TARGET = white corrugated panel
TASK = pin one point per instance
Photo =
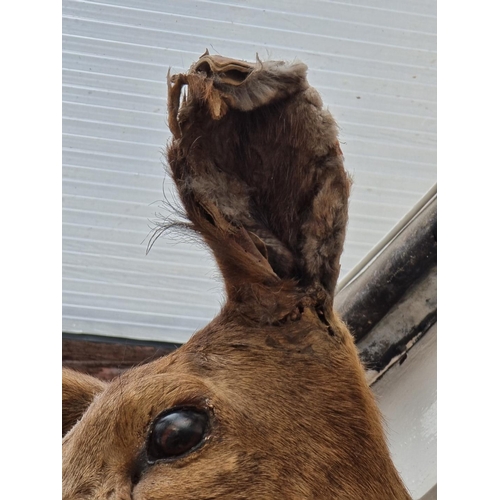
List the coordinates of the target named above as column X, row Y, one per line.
column 374, row 63
column 407, row 398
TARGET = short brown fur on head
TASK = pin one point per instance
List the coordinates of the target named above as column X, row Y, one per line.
column 259, row 170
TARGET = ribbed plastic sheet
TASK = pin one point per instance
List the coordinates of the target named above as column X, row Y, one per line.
column 374, row 63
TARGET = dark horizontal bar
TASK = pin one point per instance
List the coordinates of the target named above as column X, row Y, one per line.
column 119, row 340
column 107, row 357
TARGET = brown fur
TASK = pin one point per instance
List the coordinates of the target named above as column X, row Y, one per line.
column 79, row 391
column 260, row 173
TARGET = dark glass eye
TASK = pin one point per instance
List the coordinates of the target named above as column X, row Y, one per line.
column 176, row 433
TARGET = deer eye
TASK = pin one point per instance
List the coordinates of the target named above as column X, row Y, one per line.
column 176, row 433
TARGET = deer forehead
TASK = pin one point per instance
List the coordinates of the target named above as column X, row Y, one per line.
column 224, row 369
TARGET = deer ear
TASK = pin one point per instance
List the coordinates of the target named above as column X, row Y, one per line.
column 78, row 391
column 258, row 166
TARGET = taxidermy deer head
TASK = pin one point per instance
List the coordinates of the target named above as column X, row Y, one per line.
column 269, row 401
